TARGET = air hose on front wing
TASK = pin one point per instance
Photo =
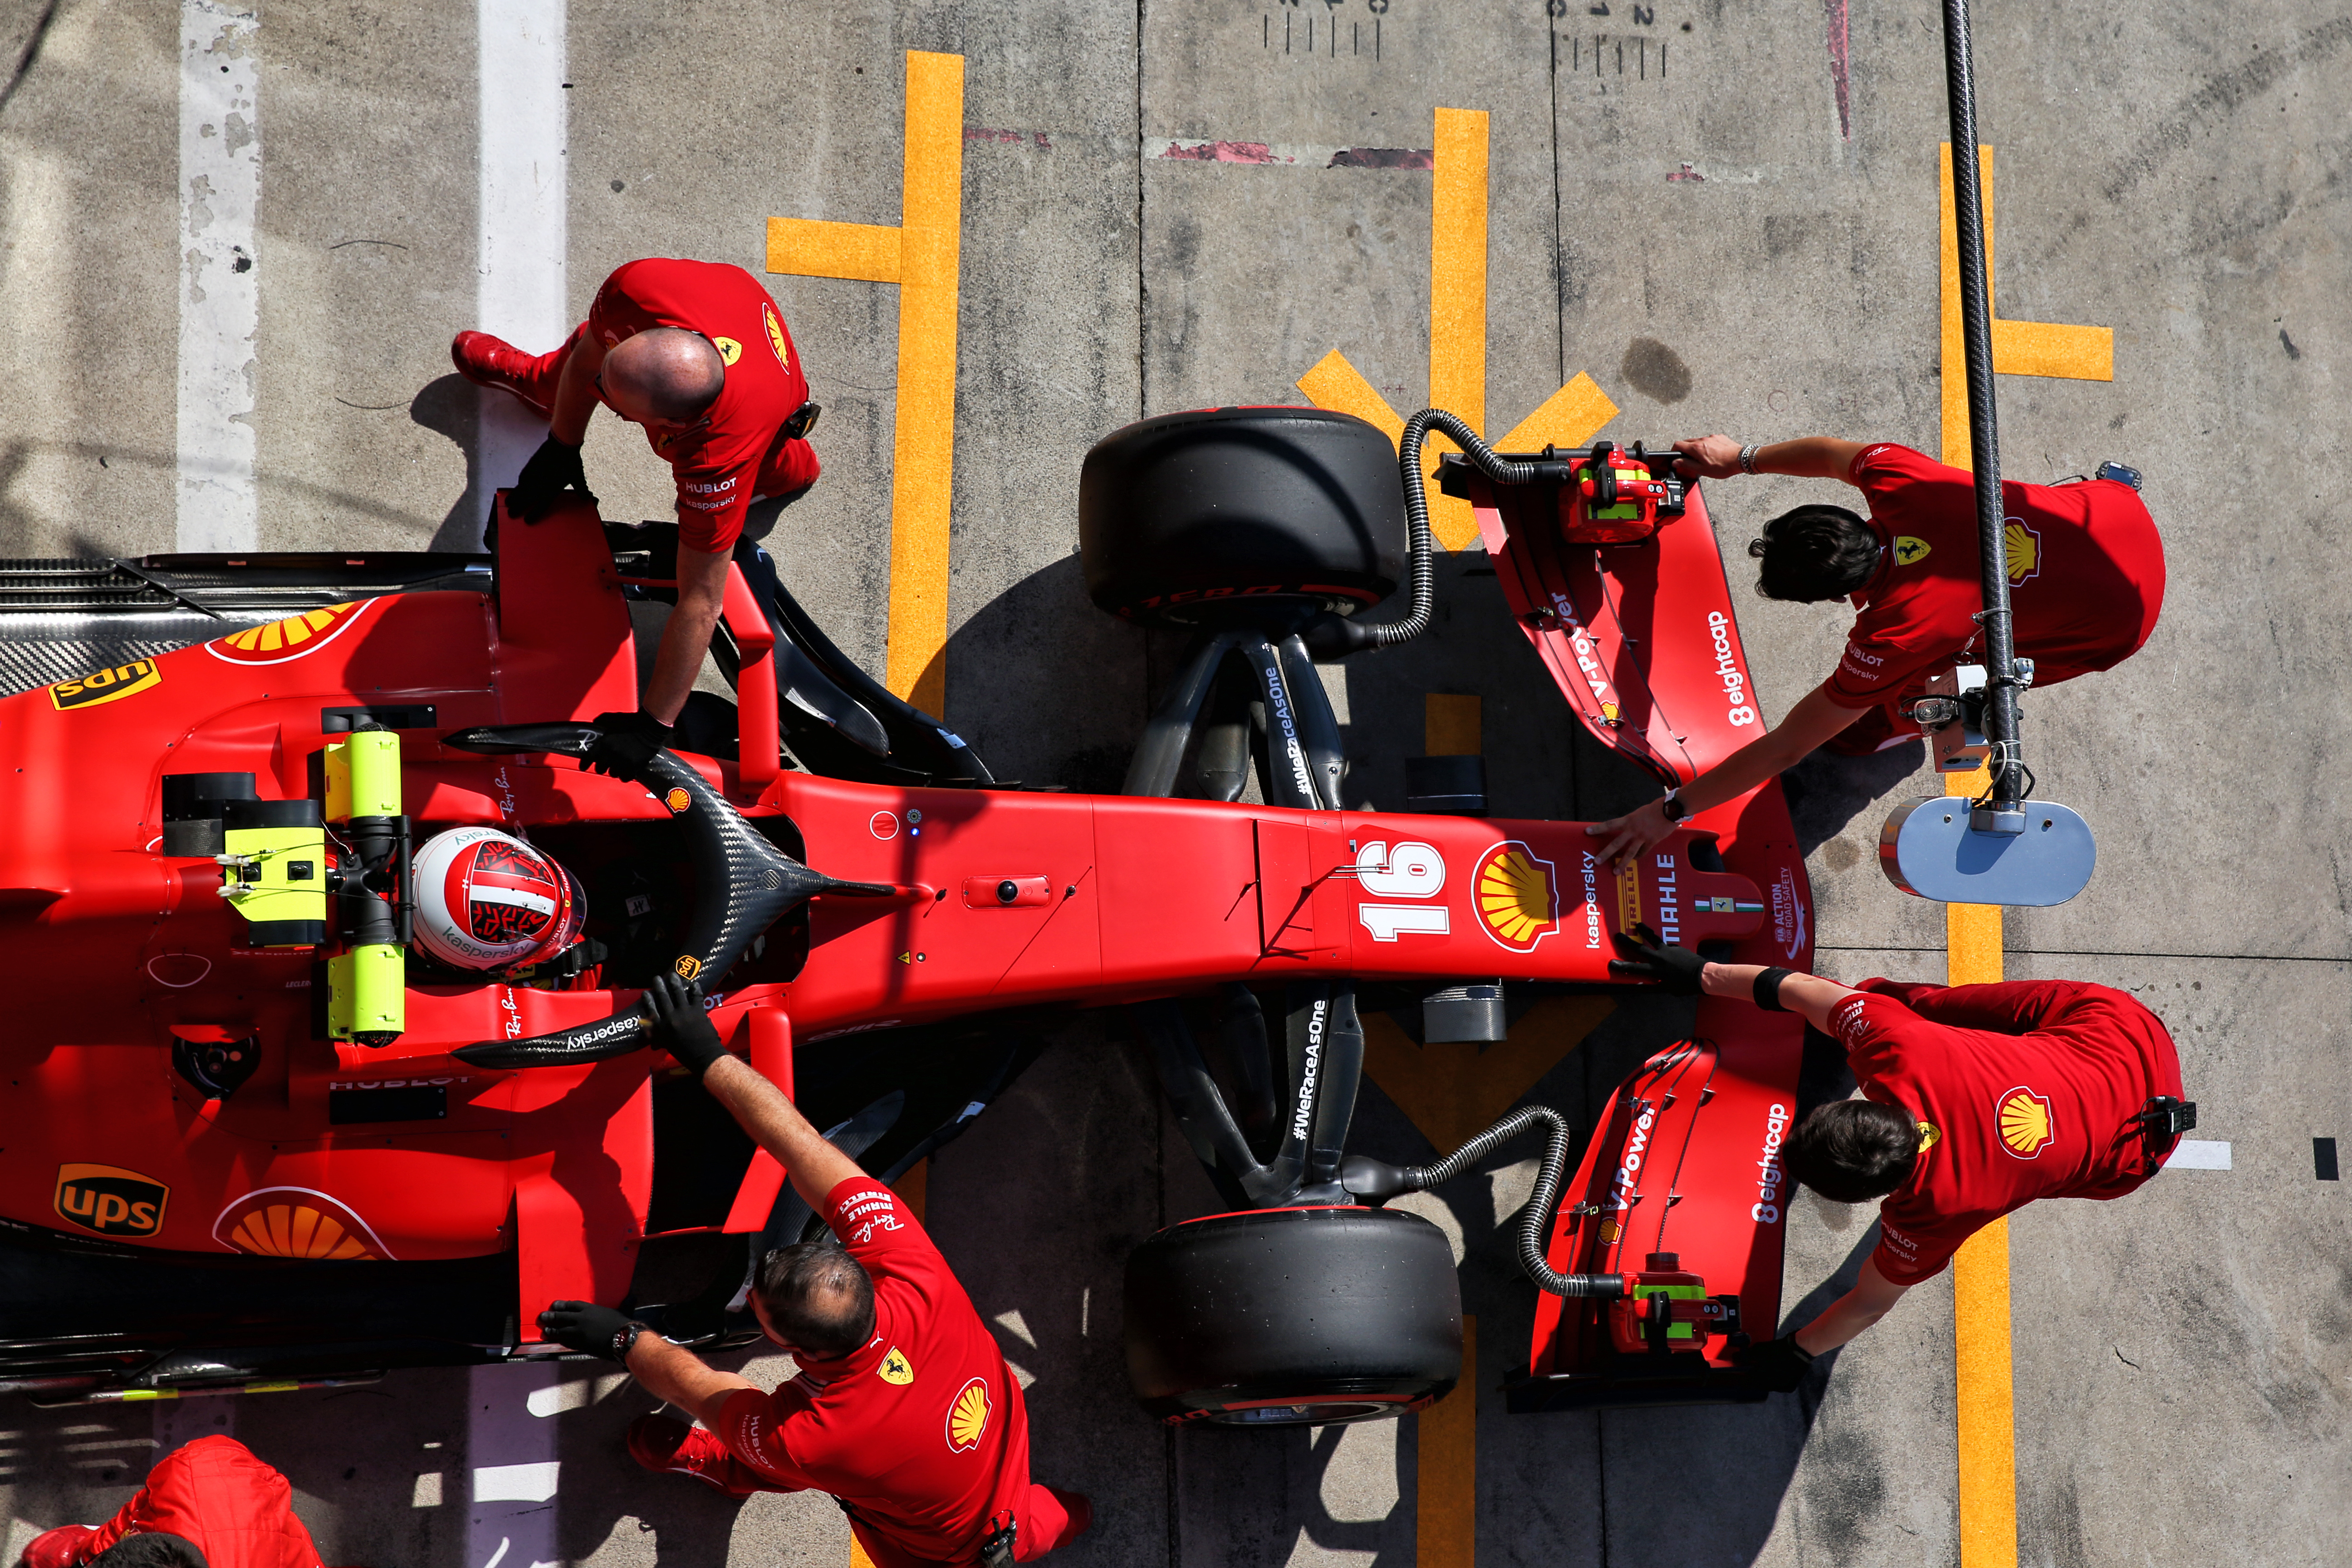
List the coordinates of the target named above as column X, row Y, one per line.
column 1332, row 636
column 1376, row 1182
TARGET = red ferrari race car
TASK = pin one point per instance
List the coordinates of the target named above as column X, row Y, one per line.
column 327, row 948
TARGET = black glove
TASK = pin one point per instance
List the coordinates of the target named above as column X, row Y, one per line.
column 552, row 469
column 628, row 744
column 1648, row 958
column 585, row 1326
column 1779, row 1366
column 681, row 1028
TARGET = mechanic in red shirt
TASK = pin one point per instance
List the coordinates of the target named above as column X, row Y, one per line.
column 903, row 1410
column 1976, row 1101
column 211, row 1495
column 2085, row 578
column 696, row 353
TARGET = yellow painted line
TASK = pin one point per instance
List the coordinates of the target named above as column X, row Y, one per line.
column 1445, row 1522
column 1981, row 1302
column 863, row 252
column 922, row 255
column 2018, row 347
column 858, row 1558
column 1451, row 725
column 1568, row 418
column 1457, row 298
column 1335, row 384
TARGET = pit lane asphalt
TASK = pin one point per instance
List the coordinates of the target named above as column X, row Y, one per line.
column 1729, row 228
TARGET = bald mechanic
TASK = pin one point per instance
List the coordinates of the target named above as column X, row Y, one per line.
column 903, row 1410
column 695, row 353
column 2086, row 579
column 1977, row 1101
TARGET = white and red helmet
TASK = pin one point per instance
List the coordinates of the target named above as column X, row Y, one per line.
column 486, row 900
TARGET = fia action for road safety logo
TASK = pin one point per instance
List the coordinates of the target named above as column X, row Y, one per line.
column 896, row 1368
column 107, row 686
column 110, row 1200
column 295, row 636
column 2024, row 1118
column 967, row 1417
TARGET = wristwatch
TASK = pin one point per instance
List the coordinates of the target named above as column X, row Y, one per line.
column 626, row 1341
column 1674, row 807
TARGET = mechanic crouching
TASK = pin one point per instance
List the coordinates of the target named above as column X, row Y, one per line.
column 1976, row 1101
column 2086, row 579
column 904, row 1411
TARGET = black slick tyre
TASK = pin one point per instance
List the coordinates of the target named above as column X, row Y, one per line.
column 1186, row 517
column 1293, row 1317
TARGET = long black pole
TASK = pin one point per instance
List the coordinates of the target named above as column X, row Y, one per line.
column 1984, row 437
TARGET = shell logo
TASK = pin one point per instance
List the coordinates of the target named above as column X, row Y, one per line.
column 2024, row 1118
column 292, row 639
column 967, row 1417
column 2022, row 547
column 776, row 337
column 1909, row 548
column 678, row 800
column 296, row 1222
column 896, row 1368
column 1517, row 898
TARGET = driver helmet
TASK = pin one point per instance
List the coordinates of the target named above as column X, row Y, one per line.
column 486, row 900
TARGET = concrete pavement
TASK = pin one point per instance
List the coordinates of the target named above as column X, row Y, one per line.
column 1727, row 217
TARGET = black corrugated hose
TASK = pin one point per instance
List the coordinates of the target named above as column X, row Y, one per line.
column 1416, row 508
column 1536, row 1219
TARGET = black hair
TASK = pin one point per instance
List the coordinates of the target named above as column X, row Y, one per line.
column 820, row 1299
column 1853, row 1150
column 1813, row 553
column 157, row 1549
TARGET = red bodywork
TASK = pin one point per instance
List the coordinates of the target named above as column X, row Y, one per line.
column 1641, row 640
column 114, row 949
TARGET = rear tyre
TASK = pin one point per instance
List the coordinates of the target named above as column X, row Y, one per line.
column 1304, row 1317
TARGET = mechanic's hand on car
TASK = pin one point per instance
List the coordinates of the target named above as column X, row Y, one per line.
column 552, row 469
column 628, row 744
column 1647, row 957
column 585, row 1326
column 1779, row 1366
column 1707, row 458
column 1631, row 835
column 681, row 1026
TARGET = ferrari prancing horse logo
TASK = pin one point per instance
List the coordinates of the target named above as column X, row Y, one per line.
column 896, row 1368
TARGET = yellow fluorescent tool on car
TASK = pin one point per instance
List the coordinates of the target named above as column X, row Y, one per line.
column 367, row 998
column 274, row 870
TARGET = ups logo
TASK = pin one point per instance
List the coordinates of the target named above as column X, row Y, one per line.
column 110, row 1200
column 105, row 686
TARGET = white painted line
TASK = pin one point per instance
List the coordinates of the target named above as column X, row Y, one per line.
column 220, row 187
column 2196, row 1155
column 519, row 295
column 515, row 1483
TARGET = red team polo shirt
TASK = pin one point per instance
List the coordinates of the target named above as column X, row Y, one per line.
column 2029, row 1086
column 738, row 451
column 921, row 1431
column 2086, row 577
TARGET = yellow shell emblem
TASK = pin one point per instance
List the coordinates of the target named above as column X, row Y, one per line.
column 2022, row 547
column 896, row 1368
column 295, row 1222
column 1929, row 1136
column 967, row 1417
column 1909, row 548
column 2024, row 1118
column 281, row 640
column 776, row 337
column 729, row 350
column 1516, row 896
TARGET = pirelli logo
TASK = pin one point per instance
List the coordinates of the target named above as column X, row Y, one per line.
column 107, row 686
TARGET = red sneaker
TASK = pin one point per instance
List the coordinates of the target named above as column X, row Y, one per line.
column 487, row 361
column 667, row 1445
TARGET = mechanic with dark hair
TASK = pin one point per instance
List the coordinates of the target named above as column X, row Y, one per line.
column 2086, row 577
column 695, row 353
column 1977, row 1100
column 211, row 1504
column 904, row 1409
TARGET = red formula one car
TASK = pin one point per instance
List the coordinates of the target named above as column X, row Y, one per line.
column 327, row 949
